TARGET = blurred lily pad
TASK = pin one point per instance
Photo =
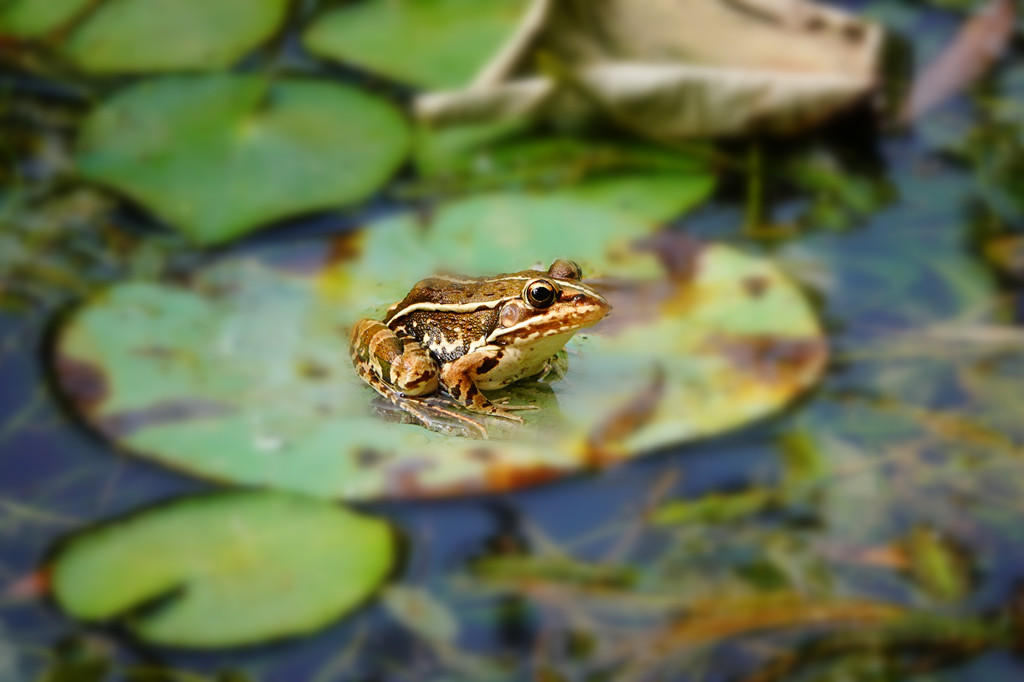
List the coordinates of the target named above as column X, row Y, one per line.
column 140, row 36
column 217, row 156
column 33, row 18
column 243, row 374
column 641, row 179
column 225, row 569
column 431, row 43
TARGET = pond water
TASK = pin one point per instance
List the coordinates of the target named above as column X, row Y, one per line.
column 896, row 481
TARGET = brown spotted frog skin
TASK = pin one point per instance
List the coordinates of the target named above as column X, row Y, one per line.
column 465, row 335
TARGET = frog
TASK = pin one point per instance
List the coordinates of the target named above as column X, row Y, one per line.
column 460, row 336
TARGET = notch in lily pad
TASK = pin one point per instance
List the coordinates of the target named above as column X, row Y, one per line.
column 225, row 569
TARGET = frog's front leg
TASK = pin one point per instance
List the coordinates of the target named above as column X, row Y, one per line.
column 459, row 379
column 554, row 368
column 400, row 363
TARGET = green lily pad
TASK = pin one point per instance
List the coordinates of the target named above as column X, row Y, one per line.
column 142, row 36
column 225, row 569
column 34, row 18
column 430, row 43
column 643, row 180
column 243, row 375
column 217, row 156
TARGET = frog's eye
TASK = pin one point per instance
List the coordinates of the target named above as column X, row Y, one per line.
column 565, row 269
column 540, row 293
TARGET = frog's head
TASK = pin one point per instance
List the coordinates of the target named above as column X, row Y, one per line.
column 552, row 304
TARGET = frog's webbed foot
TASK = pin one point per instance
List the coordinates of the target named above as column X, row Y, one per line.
column 432, row 413
column 502, row 412
column 503, row 404
column 500, row 409
column 430, row 409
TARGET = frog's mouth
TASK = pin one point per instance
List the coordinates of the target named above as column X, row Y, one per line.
column 588, row 307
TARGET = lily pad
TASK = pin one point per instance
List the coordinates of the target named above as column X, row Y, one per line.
column 243, row 374
column 217, row 156
column 141, row 36
column 643, row 180
column 34, row 18
column 431, row 43
column 225, row 569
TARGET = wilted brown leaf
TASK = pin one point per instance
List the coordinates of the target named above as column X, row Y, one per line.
column 32, row 586
column 714, row 620
column 979, row 44
column 719, row 619
column 667, row 70
column 885, row 556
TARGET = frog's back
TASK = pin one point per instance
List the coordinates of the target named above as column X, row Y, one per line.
column 451, row 315
column 459, row 294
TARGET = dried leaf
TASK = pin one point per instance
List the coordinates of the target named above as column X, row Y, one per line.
column 665, row 69
column 979, row 44
column 885, row 556
column 32, row 586
column 419, row 611
column 718, row 619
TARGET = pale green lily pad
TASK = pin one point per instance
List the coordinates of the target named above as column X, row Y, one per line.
column 430, row 43
column 217, row 156
column 225, row 569
column 34, row 18
column 243, row 375
column 643, row 180
column 142, row 36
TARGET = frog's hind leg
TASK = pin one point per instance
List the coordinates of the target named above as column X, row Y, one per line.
column 399, row 362
column 400, row 369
